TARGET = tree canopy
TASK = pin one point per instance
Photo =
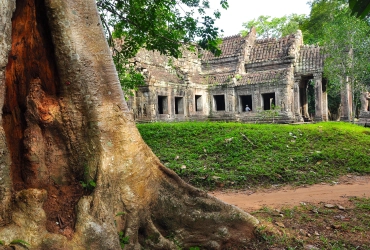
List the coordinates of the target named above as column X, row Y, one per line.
column 267, row 27
column 341, row 28
column 163, row 25
column 360, row 8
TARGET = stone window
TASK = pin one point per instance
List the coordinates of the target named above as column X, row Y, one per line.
column 268, row 101
column 179, row 105
column 198, row 103
column 162, row 104
column 219, row 102
column 244, row 101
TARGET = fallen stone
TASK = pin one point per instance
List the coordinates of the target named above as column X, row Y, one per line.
column 280, row 224
column 310, row 247
column 341, row 208
column 335, row 226
column 302, row 232
column 329, row 206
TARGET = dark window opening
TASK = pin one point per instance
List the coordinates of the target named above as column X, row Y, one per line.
column 244, row 101
column 179, row 105
column 268, row 101
column 198, row 103
column 219, row 102
column 162, row 105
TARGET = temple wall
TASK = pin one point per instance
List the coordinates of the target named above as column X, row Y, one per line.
column 270, row 76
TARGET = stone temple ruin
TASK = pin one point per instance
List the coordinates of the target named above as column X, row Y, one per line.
column 276, row 78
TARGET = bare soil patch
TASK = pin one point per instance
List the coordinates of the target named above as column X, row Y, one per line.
column 323, row 216
column 288, row 196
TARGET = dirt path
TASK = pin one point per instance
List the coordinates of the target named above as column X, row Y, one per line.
column 335, row 193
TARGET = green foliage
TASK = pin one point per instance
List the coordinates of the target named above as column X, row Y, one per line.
column 362, row 203
column 210, row 155
column 2, row 242
column 268, row 115
column 321, row 13
column 360, row 8
column 347, row 48
column 20, row 242
column 350, row 231
column 129, row 77
column 88, row 182
column 267, row 27
column 123, row 240
column 120, row 213
column 348, row 54
column 89, row 185
column 162, row 25
column 238, row 77
column 345, row 42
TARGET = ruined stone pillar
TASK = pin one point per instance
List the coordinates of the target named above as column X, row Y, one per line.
column 364, row 117
column 325, row 115
column 318, row 97
column 365, row 101
column 296, row 101
column 346, row 102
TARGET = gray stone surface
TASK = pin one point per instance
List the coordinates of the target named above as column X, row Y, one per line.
column 260, row 73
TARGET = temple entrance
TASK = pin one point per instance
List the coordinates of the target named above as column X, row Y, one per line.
column 268, row 101
column 307, row 98
column 179, row 105
column 162, row 104
column 219, row 102
column 245, row 100
column 198, row 103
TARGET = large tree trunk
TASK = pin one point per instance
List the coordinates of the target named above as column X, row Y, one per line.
column 65, row 121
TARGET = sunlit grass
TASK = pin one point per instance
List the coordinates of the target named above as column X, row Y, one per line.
column 210, row 154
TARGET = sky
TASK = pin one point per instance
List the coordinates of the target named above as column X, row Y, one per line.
column 240, row 11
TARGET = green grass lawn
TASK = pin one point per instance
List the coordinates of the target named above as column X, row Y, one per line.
column 215, row 154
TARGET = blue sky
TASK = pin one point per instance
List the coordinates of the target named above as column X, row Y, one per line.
column 244, row 10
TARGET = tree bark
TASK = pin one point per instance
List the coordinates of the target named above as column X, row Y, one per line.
column 65, row 121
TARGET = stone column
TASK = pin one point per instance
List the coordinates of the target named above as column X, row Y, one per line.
column 346, row 102
column 296, row 101
column 318, row 96
column 325, row 114
column 365, row 101
column 364, row 117
column 303, row 98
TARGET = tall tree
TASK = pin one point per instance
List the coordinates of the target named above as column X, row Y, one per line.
column 74, row 171
column 345, row 41
column 347, row 49
column 163, row 25
column 268, row 27
column 322, row 12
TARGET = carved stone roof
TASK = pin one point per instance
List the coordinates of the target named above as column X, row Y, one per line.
column 219, row 79
column 270, row 76
column 271, row 49
column 310, row 59
column 231, row 46
column 162, row 74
